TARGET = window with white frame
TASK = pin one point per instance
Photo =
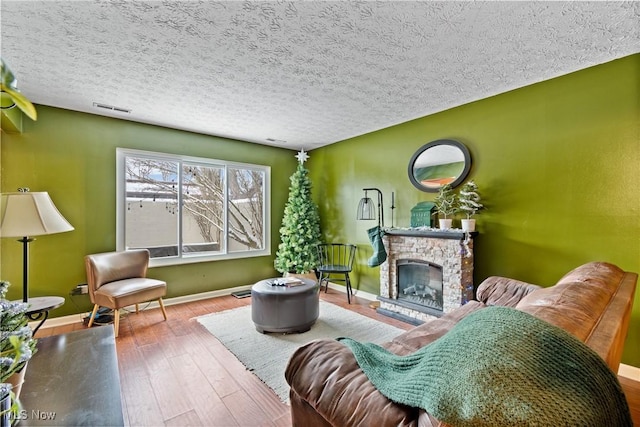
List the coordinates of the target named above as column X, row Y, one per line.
column 188, row 209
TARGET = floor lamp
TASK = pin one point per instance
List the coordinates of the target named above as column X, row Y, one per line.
column 25, row 215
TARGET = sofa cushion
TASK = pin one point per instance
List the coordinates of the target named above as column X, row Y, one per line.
column 430, row 331
column 503, row 291
column 122, row 293
column 577, row 301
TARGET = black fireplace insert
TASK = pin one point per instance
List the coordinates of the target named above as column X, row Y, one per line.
column 420, row 282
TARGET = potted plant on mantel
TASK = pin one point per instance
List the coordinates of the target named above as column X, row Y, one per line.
column 445, row 203
column 300, row 231
column 469, row 204
column 17, row 345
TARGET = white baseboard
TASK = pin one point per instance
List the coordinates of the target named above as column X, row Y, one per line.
column 629, row 371
column 74, row 318
column 360, row 294
column 59, row 321
column 626, row 371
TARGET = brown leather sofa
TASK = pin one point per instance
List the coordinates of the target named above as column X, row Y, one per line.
column 592, row 302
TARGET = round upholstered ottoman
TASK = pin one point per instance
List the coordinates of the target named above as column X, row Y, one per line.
column 284, row 308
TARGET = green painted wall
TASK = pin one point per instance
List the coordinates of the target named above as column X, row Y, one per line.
column 557, row 164
column 72, row 156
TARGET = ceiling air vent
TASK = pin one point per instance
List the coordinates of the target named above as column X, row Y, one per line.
column 111, row 107
column 276, row 141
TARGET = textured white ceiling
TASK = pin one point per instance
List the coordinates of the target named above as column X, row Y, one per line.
column 308, row 73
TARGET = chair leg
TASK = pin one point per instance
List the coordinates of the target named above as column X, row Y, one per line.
column 93, row 315
column 116, row 321
column 164, row 313
column 349, row 291
column 137, row 309
column 326, row 283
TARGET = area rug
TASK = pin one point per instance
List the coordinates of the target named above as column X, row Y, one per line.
column 266, row 355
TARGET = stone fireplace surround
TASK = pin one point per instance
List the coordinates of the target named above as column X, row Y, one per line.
column 450, row 249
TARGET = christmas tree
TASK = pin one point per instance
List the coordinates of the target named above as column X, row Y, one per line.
column 300, row 230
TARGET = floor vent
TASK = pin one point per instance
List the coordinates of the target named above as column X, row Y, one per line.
column 242, row 294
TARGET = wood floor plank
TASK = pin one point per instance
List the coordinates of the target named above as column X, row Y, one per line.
column 173, row 346
column 264, row 397
column 202, row 396
column 213, row 369
column 165, row 381
column 189, row 419
column 284, row 420
column 178, row 320
column 131, row 363
column 244, row 409
column 162, row 329
column 141, row 406
column 125, row 330
column 199, row 308
column 142, row 327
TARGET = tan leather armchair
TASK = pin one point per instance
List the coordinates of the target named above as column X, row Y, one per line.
column 118, row 279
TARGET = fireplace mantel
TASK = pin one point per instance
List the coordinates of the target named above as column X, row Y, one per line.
column 451, row 249
column 436, row 233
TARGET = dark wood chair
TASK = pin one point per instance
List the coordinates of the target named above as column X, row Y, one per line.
column 336, row 259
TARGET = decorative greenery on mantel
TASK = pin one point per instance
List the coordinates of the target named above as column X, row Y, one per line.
column 469, row 199
column 446, row 201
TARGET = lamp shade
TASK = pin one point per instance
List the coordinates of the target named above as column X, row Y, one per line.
column 31, row 214
column 366, row 209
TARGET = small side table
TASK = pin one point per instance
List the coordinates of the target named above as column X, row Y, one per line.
column 39, row 308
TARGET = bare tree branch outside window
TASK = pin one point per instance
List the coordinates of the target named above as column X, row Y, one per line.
column 203, row 190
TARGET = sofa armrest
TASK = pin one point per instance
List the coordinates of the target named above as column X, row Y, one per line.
column 325, row 376
column 503, row 291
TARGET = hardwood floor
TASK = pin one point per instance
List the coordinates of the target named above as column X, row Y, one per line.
column 175, row 373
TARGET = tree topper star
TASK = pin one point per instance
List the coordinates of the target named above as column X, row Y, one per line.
column 302, row 156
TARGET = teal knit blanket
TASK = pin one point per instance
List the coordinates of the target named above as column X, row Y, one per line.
column 500, row 366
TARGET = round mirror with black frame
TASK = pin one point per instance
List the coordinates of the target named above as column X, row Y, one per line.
column 445, row 161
